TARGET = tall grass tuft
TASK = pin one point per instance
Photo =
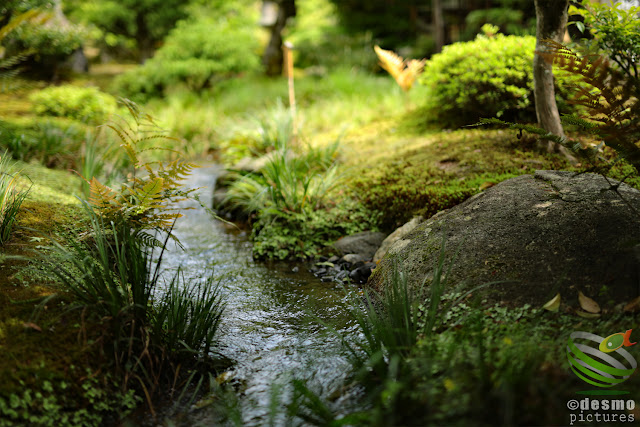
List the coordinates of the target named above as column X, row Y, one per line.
column 11, row 196
column 293, row 177
column 110, row 270
column 150, row 337
column 391, row 321
column 187, row 316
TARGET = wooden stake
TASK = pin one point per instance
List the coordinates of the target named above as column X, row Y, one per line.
column 288, row 58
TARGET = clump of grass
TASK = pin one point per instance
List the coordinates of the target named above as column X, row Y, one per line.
column 115, row 274
column 111, row 270
column 187, row 316
column 11, row 197
column 291, row 179
column 391, row 321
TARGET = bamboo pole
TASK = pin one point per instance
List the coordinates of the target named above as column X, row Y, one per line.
column 288, row 58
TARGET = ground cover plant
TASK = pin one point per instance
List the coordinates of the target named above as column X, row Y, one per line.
column 109, row 281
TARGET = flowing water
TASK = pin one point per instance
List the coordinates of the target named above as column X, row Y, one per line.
column 268, row 329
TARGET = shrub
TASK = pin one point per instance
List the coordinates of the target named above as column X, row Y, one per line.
column 52, row 142
column 87, row 103
column 489, row 76
column 196, row 54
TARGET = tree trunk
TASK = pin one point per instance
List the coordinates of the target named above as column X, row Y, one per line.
column 143, row 39
column 272, row 57
column 551, row 22
column 438, row 24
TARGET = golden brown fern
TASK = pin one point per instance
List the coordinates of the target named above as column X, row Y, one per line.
column 404, row 72
column 144, row 201
column 611, row 99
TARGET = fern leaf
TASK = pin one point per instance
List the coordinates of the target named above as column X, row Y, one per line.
column 404, row 73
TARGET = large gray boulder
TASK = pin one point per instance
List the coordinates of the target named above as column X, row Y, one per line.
column 398, row 234
column 552, row 232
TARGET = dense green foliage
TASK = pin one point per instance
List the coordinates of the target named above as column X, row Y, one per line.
column 142, row 24
column 97, row 397
column 80, row 103
column 321, row 41
column 490, row 76
column 42, row 41
column 616, row 33
column 196, row 55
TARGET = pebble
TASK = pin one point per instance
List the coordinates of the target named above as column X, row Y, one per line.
column 349, row 268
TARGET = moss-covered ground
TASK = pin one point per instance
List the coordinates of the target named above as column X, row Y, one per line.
column 51, row 367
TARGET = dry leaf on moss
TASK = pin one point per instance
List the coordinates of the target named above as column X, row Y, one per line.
column 587, row 304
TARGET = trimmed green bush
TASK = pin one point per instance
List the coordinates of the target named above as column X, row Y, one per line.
column 491, row 76
column 80, row 103
column 196, row 54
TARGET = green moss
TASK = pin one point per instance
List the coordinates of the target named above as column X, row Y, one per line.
column 441, row 170
column 50, row 357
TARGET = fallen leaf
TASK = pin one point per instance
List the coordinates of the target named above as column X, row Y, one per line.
column 633, row 305
column 588, row 304
column 486, row 185
column 587, row 315
column 32, row 325
column 553, row 304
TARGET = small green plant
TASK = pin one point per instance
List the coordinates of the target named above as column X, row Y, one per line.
column 49, row 405
column 116, row 273
column 11, row 196
column 291, row 180
column 80, row 103
column 392, row 320
column 284, row 235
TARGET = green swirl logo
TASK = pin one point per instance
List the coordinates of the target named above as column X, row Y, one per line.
column 596, row 365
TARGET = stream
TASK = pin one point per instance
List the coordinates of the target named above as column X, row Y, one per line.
column 268, row 328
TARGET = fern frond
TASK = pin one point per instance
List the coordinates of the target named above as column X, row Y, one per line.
column 404, row 73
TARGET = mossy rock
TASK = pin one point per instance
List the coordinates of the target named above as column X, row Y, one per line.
column 539, row 234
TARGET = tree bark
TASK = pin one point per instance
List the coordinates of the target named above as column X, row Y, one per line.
column 551, row 22
column 438, row 24
column 272, row 57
